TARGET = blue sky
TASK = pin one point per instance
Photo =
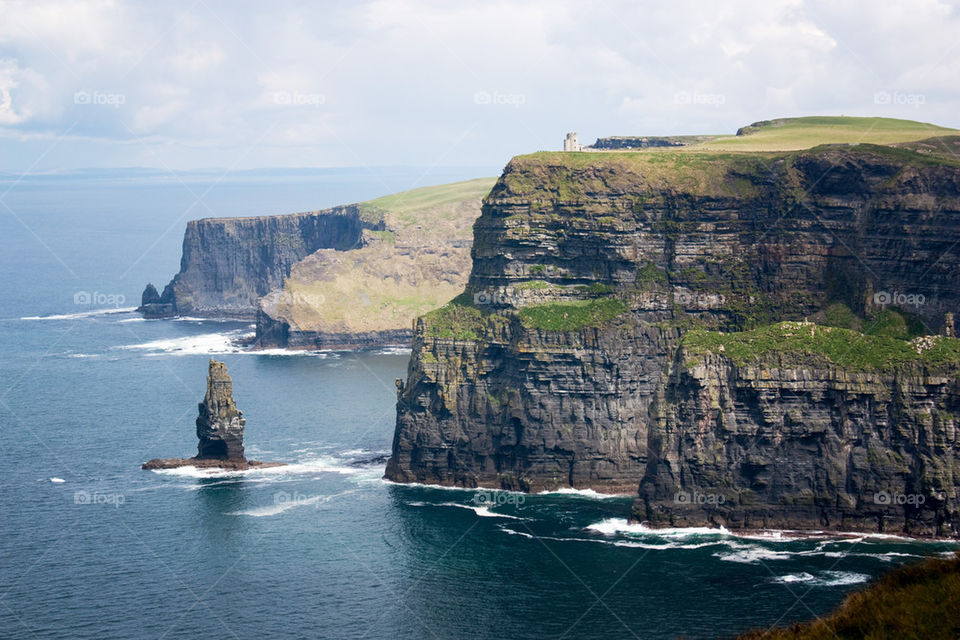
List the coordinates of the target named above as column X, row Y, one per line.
column 201, row 83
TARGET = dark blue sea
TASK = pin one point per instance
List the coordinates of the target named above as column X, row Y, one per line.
column 93, row 547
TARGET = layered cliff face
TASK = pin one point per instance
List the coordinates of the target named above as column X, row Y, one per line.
column 372, row 294
column 347, row 277
column 562, row 364
column 228, row 264
column 219, row 423
column 791, row 439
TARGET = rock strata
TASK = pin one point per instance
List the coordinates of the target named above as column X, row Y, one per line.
column 219, row 429
column 516, row 386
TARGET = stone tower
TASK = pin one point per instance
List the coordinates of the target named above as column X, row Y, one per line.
column 570, row 143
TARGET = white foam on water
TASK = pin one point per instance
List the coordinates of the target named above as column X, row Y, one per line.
column 483, row 512
column 611, row 526
column 82, row 314
column 291, row 502
column 324, row 464
column 201, row 344
column 518, row 533
column 57, row 480
column 825, row 579
column 751, row 554
column 583, row 493
column 393, row 351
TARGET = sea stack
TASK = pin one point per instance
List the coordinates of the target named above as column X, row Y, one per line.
column 220, row 423
column 219, row 429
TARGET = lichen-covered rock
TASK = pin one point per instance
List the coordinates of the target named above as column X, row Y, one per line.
column 220, row 424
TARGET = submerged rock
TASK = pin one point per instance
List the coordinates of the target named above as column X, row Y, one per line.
column 219, row 428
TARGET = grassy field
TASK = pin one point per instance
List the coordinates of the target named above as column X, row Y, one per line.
column 844, row 347
column 789, row 134
column 419, row 263
column 415, row 206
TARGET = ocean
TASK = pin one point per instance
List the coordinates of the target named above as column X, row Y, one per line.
column 91, row 546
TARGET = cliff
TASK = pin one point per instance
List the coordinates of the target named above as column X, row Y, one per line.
column 346, row 277
column 416, row 261
column 228, row 264
column 564, row 362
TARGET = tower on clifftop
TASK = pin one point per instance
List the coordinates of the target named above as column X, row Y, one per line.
column 570, row 143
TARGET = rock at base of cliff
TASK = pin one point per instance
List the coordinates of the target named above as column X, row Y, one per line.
column 236, row 464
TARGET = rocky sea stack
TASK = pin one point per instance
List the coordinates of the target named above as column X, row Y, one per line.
column 219, row 429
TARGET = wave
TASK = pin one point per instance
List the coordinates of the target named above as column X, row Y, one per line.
column 483, row 512
column 83, row 314
column 287, row 503
column 611, row 526
column 201, row 344
column 324, row 464
column 583, row 493
column 825, row 579
column 57, row 480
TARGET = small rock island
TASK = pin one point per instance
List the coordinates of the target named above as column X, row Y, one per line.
column 219, row 429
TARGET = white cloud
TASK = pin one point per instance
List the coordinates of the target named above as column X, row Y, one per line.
column 396, row 81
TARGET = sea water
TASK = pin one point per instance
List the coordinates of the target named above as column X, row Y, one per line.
column 93, row 547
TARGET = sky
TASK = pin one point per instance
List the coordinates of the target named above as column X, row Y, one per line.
column 245, row 85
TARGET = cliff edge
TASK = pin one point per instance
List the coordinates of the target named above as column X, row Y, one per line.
column 589, row 349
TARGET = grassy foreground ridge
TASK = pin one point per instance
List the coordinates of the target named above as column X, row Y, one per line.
column 919, row 602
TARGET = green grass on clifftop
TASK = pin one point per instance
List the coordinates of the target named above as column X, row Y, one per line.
column 795, row 341
column 572, row 316
column 787, row 134
column 920, row 602
column 408, row 207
